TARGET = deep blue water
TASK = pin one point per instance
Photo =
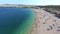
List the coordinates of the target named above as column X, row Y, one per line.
column 11, row 18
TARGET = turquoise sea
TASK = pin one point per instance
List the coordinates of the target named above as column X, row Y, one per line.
column 16, row 20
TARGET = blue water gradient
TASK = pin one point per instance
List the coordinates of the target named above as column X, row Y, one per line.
column 12, row 18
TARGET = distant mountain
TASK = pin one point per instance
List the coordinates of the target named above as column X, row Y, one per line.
column 50, row 6
column 53, row 9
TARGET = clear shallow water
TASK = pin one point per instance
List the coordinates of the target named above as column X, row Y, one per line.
column 16, row 20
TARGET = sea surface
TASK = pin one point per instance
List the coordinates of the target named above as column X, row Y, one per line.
column 16, row 20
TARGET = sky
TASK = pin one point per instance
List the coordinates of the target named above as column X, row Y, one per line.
column 31, row 2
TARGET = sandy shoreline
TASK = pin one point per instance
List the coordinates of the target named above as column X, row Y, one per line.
column 42, row 22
